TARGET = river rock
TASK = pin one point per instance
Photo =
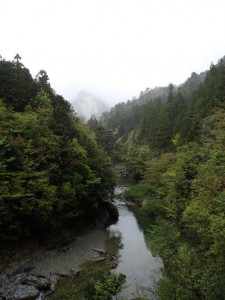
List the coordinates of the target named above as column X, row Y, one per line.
column 10, row 285
column 28, row 267
column 26, row 286
column 113, row 264
column 62, row 274
column 130, row 203
column 114, row 261
column 64, row 249
column 75, row 272
column 53, row 281
column 41, row 283
column 25, row 292
column 100, row 259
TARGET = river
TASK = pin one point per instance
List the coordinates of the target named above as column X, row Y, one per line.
column 126, row 238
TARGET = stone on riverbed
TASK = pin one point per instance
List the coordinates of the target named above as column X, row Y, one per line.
column 41, row 283
column 100, row 259
column 62, row 274
column 10, row 285
column 75, row 272
column 53, row 281
column 27, row 286
column 25, row 292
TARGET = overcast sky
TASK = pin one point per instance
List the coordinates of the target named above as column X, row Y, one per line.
column 113, row 48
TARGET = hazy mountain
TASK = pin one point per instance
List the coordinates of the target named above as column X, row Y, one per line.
column 187, row 88
column 87, row 105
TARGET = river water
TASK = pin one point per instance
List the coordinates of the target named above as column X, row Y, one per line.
column 126, row 239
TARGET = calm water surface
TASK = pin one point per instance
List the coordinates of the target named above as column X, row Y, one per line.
column 126, row 239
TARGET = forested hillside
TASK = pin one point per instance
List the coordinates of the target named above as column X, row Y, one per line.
column 125, row 117
column 175, row 147
column 52, row 170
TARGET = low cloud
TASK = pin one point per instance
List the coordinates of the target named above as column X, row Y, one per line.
column 86, row 105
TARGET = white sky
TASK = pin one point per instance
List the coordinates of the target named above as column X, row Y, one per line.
column 113, row 48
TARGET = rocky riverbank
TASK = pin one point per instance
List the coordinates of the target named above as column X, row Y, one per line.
column 37, row 275
column 31, row 272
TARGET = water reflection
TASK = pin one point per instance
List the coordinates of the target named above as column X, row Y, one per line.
column 126, row 239
column 113, row 241
column 143, row 222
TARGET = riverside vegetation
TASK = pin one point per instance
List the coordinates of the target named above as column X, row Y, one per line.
column 174, row 145
column 96, row 282
column 55, row 171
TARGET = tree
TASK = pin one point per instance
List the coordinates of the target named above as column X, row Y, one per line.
column 16, row 85
column 42, row 100
column 17, row 59
column 42, row 81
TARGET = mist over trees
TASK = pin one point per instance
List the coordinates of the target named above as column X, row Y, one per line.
column 87, row 105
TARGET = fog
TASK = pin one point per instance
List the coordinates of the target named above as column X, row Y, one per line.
column 113, row 49
column 87, row 105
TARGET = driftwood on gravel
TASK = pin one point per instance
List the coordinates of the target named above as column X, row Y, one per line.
column 100, row 251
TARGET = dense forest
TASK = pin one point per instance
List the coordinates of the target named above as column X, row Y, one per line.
column 174, row 145
column 53, row 173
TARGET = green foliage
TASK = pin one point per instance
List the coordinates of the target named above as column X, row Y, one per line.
column 189, row 234
column 109, row 285
column 94, row 283
column 105, row 138
column 138, row 193
column 52, row 170
column 135, row 155
column 42, row 100
column 16, row 84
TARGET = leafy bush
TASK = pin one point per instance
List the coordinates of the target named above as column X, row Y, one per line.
column 94, row 283
column 138, row 193
column 153, row 207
